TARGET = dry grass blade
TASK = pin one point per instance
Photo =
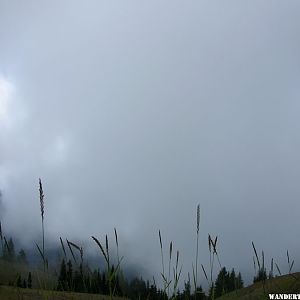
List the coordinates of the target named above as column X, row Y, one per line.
column 204, row 273
column 100, row 246
column 209, row 243
column 194, row 277
column 215, row 250
column 107, row 252
column 166, row 282
column 176, row 280
column 72, row 253
column 214, row 244
column 1, row 235
column 219, row 262
column 272, row 266
column 41, row 253
column 171, row 247
column 154, row 283
column 6, row 245
column 254, row 264
column 197, row 248
column 161, row 252
column 116, row 237
column 278, row 269
column 117, row 243
column 255, row 252
column 81, row 253
column 177, row 258
column 170, row 257
column 63, row 247
column 74, row 245
column 160, row 241
column 78, row 248
column 291, row 267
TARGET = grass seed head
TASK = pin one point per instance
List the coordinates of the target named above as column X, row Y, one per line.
column 116, row 236
column 160, row 241
column 171, row 247
column 41, row 198
column 198, row 217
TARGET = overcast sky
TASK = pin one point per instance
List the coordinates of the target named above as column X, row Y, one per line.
column 133, row 112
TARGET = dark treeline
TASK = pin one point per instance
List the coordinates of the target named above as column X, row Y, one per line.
column 74, row 277
column 9, row 253
column 96, row 282
column 82, row 279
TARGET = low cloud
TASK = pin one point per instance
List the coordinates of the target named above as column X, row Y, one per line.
column 132, row 117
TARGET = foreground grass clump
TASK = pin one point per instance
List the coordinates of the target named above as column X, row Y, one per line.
column 13, row 293
column 289, row 283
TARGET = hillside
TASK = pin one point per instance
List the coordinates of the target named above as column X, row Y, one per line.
column 9, row 274
column 12, row 293
column 282, row 284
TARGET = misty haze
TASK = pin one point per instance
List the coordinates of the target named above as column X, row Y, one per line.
column 136, row 133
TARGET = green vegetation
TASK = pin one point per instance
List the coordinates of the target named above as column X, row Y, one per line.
column 72, row 278
column 289, row 283
column 13, row 293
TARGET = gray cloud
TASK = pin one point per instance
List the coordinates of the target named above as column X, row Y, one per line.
column 133, row 113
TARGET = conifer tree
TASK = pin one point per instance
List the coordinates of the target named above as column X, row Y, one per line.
column 62, row 279
column 19, row 281
column 21, row 258
column 69, row 276
column 29, row 281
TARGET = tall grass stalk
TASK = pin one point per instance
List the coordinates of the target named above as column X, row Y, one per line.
column 117, row 244
column 263, row 269
column 278, row 270
column 71, row 251
column 79, row 249
column 169, row 273
column 106, row 257
column 42, row 207
column 255, row 252
column 63, row 247
column 161, row 252
column 212, row 247
column 197, row 249
column 272, row 268
column 6, row 245
column 1, row 237
column 111, row 273
column 165, row 280
column 290, row 264
column 254, row 265
column 118, row 257
column 176, row 276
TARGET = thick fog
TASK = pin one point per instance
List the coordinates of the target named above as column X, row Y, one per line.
column 133, row 112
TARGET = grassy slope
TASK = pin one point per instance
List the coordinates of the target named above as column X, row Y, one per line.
column 281, row 284
column 12, row 293
column 9, row 271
